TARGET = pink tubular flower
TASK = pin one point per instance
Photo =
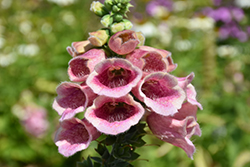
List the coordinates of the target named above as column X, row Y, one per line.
column 114, row 77
column 35, row 120
column 161, row 92
column 185, row 84
column 72, row 98
column 114, row 115
column 78, row 48
column 123, row 42
column 165, row 54
column 74, row 135
column 81, row 66
column 177, row 129
column 151, row 60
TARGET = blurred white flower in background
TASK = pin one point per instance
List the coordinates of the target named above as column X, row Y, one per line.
column 227, row 50
column 28, row 50
column 62, row 2
column 148, row 29
column 5, row 4
column 25, row 27
column 68, row 18
column 7, row 59
column 183, row 45
column 243, row 3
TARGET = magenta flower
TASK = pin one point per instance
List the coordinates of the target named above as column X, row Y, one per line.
column 78, row 48
column 74, row 135
column 123, row 42
column 161, row 92
column 114, row 77
column 114, row 115
column 72, row 98
column 150, row 60
column 177, row 129
column 81, row 66
column 185, row 84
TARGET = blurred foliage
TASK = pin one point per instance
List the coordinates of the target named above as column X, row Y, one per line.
column 33, row 38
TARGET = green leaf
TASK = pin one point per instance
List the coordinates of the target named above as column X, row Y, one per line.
column 134, row 156
column 97, row 159
column 85, row 163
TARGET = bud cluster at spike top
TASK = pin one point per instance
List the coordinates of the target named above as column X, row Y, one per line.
column 116, row 81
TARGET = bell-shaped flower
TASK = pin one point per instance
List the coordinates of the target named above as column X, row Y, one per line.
column 74, row 135
column 177, row 129
column 185, row 84
column 160, row 91
column 114, row 77
column 72, row 98
column 98, row 38
column 114, row 115
column 166, row 55
column 123, row 42
column 81, row 66
column 78, row 48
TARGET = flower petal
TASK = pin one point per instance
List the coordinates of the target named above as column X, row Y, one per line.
column 123, row 42
column 74, row 135
column 160, row 92
column 81, row 66
column 185, row 84
column 114, row 77
column 71, row 99
column 165, row 54
column 114, row 115
column 176, row 129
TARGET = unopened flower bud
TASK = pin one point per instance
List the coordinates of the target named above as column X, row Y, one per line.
column 98, row 8
column 116, row 27
column 119, row 5
column 108, row 4
column 78, row 48
column 127, row 24
column 118, row 1
column 107, row 20
column 98, row 38
column 118, row 17
column 115, row 9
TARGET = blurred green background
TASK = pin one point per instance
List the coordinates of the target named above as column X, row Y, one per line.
column 34, row 35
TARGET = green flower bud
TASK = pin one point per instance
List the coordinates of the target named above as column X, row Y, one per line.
column 107, row 20
column 118, row 17
column 118, row 1
column 108, row 4
column 98, row 8
column 116, row 27
column 127, row 24
column 119, row 5
column 115, row 9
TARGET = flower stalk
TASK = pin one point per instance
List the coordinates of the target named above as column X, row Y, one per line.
column 122, row 86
